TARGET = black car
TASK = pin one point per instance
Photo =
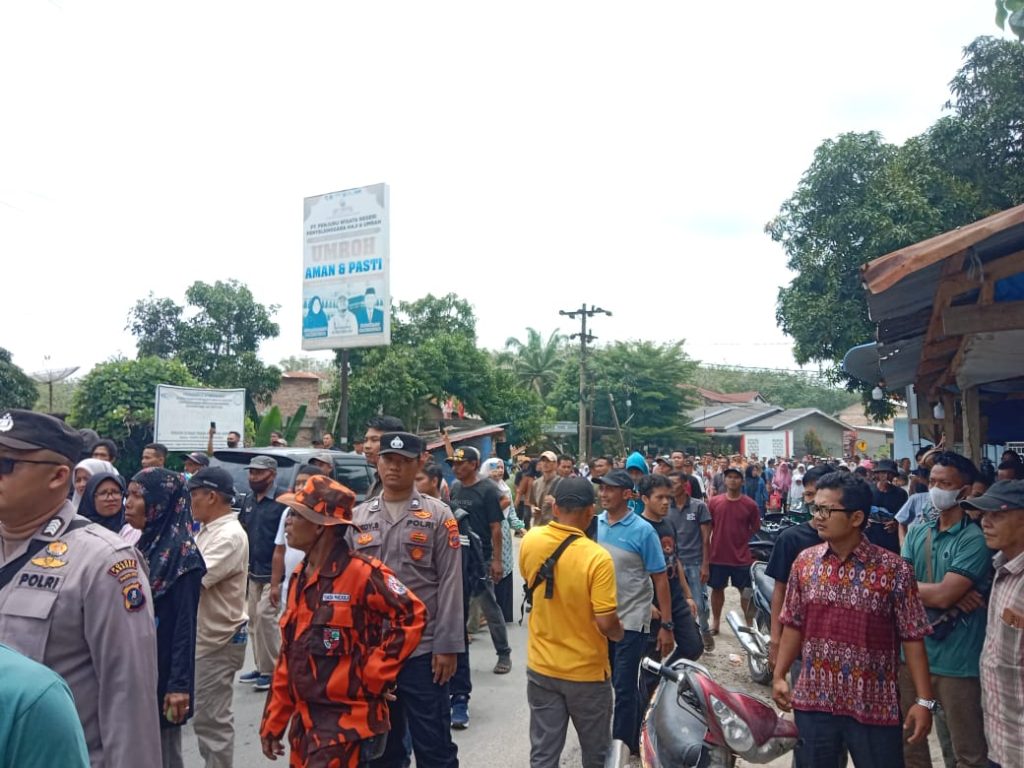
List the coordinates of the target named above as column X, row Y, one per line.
column 350, row 469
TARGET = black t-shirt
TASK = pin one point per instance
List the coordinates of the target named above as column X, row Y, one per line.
column 482, row 501
column 791, row 542
column 893, row 501
column 261, row 520
column 667, row 536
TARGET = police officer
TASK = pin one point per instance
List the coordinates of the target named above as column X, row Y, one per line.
column 347, row 629
column 72, row 595
column 417, row 537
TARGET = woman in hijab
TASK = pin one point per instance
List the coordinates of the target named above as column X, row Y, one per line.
column 782, row 480
column 159, row 506
column 85, row 469
column 103, row 503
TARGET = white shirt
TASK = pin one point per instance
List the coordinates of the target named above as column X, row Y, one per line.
column 292, row 557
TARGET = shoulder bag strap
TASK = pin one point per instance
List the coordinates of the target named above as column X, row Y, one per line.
column 9, row 571
column 928, row 554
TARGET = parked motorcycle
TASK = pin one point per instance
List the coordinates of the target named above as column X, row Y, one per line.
column 763, row 542
column 694, row 721
column 754, row 637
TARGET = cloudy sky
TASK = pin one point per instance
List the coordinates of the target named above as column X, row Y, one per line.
column 540, row 155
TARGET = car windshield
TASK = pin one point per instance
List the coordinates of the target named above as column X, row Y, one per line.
column 349, row 469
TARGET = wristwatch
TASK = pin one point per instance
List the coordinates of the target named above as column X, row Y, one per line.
column 668, row 625
column 928, row 704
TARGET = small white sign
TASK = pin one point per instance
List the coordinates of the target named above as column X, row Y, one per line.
column 184, row 414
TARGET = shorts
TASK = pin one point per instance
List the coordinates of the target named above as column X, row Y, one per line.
column 721, row 575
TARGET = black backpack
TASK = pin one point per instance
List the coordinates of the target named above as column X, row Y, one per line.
column 474, row 570
column 545, row 573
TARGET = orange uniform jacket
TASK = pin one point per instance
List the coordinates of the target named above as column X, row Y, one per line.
column 346, row 631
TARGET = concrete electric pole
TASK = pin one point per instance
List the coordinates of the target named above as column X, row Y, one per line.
column 585, row 338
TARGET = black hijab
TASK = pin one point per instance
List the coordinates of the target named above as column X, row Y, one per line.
column 87, row 506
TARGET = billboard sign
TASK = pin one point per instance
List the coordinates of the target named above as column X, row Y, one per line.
column 183, row 416
column 346, row 290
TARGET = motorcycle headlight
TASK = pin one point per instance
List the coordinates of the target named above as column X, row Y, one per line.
column 736, row 732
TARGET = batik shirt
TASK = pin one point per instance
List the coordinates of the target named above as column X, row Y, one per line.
column 853, row 615
column 346, row 631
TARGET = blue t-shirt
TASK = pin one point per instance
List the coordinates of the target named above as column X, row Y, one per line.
column 636, row 553
column 39, row 726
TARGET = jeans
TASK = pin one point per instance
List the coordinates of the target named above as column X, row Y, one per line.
column 699, row 592
column 822, row 736
column 495, row 619
column 423, row 707
column 625, row 658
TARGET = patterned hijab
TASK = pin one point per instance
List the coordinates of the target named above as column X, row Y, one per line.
column 166, row 541
column 87, row 506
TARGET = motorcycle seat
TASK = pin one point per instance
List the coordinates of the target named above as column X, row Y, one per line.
column 764, row 583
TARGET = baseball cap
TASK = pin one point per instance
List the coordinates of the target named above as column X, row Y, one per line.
column 214, row 478
column 30, row 431
column 262, row 462
column 1001, row 495
column 405, row 444
column 732, row 471
column 548, row 456
column 663, row 460
column 469, row 453
column 322, row 501
column 327, row 457
column 617, row 478
column 199, row 458
column 574, row 492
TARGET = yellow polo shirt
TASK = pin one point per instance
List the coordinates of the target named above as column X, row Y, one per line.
column 564, row 641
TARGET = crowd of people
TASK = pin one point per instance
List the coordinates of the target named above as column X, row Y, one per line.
column 127, row 604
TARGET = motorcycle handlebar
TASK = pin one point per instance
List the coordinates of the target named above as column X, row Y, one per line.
column 662, row 670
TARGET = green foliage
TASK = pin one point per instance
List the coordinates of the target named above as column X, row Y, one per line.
column 117, row 399
column 862, row 198
column 17, row 390
column 433, row 355
column 813, row 444
column 217, row 336
column 535, row 363
column 1011, row 13
column 652, row 377
column 788, row 390
column 272, row 421
column 63, row 392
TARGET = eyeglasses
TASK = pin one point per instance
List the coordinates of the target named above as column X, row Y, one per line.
column 825, row 512
column 109, row 495
column 8, row 464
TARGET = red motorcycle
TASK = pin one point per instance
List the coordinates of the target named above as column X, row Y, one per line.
column 694, row 721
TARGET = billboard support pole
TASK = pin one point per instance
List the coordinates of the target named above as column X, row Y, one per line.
column 341, row 416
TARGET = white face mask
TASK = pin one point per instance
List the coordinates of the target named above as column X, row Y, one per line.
column 942, row 499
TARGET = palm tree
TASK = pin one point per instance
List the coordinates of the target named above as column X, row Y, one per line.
column 535, row 363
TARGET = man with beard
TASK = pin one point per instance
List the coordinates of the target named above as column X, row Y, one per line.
column 376, row 427
column 260, row 516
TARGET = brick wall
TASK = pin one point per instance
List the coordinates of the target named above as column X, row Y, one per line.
column 298, row 390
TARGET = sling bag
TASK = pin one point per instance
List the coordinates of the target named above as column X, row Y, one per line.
column 545, row 573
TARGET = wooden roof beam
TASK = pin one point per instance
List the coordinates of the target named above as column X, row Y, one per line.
column 1005, row 316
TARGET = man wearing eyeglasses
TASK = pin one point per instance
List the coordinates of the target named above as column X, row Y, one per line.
column 850, row 607
column 72, row 594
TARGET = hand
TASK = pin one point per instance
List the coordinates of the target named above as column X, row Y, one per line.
column 919, row 723
column 175, row 707
column 275, row 596
column 549, row 500
column 272, row 747
column 889, row 526
column 705, row 573
column 773, row 653
column 666, row 642
column 693, row 606
column 213, row 431
column 443, row 667
column 389, row 692
column 972, row 601
column 497, row 572
column 655, row 613
column 781, row 694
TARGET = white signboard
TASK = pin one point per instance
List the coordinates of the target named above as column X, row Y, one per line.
column 184, row 414
column 346, row 290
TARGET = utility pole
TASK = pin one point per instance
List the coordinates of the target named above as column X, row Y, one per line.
column 585, row 338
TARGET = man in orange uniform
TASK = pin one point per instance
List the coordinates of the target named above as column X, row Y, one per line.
column 338, row 662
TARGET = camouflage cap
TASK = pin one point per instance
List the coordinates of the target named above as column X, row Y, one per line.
column 322, row 501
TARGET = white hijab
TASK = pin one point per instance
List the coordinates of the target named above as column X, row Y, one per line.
column 93, row 467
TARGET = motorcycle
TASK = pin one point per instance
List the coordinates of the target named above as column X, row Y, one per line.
column 763, row 542
column 694, row 721
column 755, row 636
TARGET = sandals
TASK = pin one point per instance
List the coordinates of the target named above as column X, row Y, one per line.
column 503, row 667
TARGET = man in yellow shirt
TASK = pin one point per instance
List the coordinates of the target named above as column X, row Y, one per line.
column 572, row 618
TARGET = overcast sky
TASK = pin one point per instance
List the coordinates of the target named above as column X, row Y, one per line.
column 540, row 155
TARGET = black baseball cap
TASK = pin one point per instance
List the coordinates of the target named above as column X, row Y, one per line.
column 403, row 443
column 199, row 458
column 617, row 478
column 30, row 431
column 732, row 471
column 1001, row 495
column 574, row 492
column 469, row 453
column 215, row 478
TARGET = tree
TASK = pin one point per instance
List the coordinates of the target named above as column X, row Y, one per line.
column 217, row 336
column 536, row 363
column 117, row 399
column 17, row 389
column 813, row 444
column 788, row 390
column 1011, row 13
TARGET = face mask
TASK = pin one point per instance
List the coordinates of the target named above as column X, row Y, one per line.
column 942, row 499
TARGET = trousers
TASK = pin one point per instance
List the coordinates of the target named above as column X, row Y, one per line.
column 553, row 703
column 960, row 698
column 214, row 721
column 495, row 618
column 263, row 628
column 170, row 747
column 700, row 595
column 625, row 658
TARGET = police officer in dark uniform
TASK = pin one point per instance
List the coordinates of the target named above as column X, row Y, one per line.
column 72, row 594
column 417, row 537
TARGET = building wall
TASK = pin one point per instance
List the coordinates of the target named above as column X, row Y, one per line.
column 829, row 433
column 294, row 392
column 767, row 444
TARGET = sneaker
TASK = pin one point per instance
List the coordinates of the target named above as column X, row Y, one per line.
column 250, row 677
column 263, row 683
column 709, row 641
column 460, row 713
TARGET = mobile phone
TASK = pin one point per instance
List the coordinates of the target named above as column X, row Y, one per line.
column 442, row 426
column 213, row 425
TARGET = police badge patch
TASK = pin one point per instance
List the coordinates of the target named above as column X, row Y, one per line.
column 134, row 597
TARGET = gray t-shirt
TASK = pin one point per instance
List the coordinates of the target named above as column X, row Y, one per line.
column 688, row 521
